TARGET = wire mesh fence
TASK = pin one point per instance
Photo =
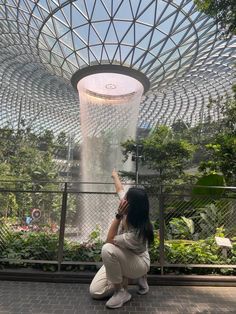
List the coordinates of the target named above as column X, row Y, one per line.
column 191, row 228
column 62, row 223
column 29, row 224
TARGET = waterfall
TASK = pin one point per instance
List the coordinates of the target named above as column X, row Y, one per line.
column 109, row 109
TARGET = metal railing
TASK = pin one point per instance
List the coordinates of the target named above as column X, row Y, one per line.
column 65, row 224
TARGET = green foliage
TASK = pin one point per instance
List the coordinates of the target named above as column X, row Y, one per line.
column 89, row 251
column 212, row 217
column 220, row 232
column 192, row 252
column 85, row 252
column 43, row 245
column 180, row 127
column 27, row 156
column 95, row 235
column 164, row 153
column 223, row 11
column 181, row 228
column 222, row 154
column 9, row 206
column 179, row 208
column 30, row 245
column 203, row 251
column 220, row 149
column 154, row 248
column 212, row 179
column 214, row 140
column 20, row 153
column 199, row 217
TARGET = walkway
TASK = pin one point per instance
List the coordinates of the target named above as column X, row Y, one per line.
column 48, row 298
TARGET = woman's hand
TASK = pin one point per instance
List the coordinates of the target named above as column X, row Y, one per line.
column 123, row 207
column 118, row 184
column 114, row 174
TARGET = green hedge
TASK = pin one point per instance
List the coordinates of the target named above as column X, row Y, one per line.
column 41, row 245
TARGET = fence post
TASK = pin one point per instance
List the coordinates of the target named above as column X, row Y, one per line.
column 62, row 226
column 161, row 230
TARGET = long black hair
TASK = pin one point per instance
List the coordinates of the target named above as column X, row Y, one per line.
column 138, row 213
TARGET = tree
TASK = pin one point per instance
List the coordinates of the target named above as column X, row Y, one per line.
column 222, row 149
column 22, row 160
column 164, row 153
column 223, row 11
column 222, row 156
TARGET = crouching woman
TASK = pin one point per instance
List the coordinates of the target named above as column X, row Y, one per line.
column 125, row 254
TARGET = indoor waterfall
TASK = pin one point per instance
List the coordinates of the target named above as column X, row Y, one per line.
column 109, row 108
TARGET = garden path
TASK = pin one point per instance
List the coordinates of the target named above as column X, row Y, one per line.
column 69, row 298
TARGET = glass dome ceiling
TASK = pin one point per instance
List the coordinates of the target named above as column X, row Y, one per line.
column 43, row 43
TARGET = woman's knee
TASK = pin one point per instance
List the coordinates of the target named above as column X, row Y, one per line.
column 95, row 292
column 107, row 249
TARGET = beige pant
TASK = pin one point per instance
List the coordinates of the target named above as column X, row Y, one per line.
column 118, row 263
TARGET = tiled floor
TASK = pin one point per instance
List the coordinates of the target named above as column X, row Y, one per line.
column 48, row 298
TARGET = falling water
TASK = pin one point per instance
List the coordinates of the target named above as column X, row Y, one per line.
column 109, row 105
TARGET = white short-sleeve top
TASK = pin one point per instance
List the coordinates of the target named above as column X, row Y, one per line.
column 129, row 239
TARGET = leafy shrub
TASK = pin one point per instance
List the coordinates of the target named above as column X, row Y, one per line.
column 154, row 249
column 192, row 252
column 181, row 228
column 85, row 252
column 30, row 245
column 213, row 216
column 38, row 246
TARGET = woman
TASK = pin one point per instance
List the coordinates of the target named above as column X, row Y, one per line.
column 125, row 254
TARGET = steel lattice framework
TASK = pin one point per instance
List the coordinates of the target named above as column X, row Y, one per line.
column 43, row 42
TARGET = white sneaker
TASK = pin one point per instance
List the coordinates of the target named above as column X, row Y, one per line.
column 143, row 285
column 119, row 298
